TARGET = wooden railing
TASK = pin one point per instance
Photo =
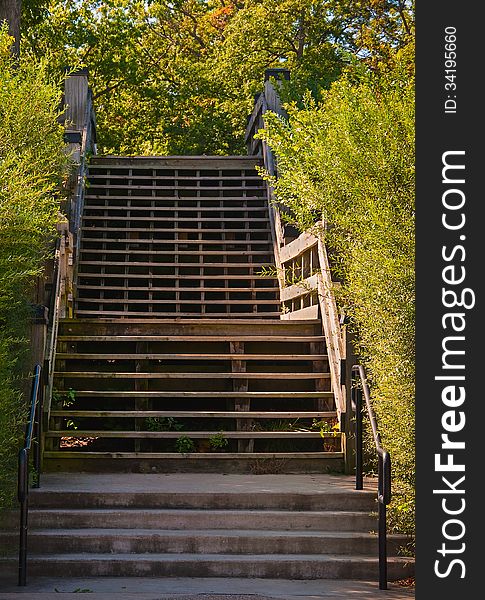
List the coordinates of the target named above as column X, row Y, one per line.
column 80, row 135
column 302, row 265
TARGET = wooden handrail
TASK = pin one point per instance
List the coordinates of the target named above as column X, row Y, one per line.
column 319, row 280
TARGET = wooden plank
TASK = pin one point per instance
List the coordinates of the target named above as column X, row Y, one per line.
column 297, row 247
column 310, row 312
column 181, row 219
column 196, row 455
column 202, row 209
column 307, row 286
column 266, row 290
column 201, row 394
column 175, row 162
column 169, row 242
column 192, row 338
column 239, row 435
column 234, row 199
column 166, row 314
column 244, row 357
column 205, row 414
column 186, row 375
column 170, row 264
column 151, row 276
column 331, row 327
column 193, row 177
column 213, row 323
column 128, row 252
column 127, row 301
column 173, row 230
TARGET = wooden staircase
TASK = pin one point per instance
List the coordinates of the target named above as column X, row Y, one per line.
column 176, row 350
column 175, row 237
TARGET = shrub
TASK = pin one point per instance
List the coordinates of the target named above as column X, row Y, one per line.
column 32, row 166
column 350, row 158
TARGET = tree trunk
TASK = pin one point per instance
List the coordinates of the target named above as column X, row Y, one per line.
column 10, row 12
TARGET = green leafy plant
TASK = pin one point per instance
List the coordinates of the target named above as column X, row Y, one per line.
column 63, row 399
column 325, row 426
column 33, row 167
column 218, row 442
column 184, row 445
column 163, row 424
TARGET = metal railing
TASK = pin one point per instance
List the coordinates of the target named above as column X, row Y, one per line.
column 384, row 465
column 33, row 433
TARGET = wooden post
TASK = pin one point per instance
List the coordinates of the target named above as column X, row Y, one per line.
column 241, row 404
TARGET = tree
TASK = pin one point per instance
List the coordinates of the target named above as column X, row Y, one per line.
column 10, row 13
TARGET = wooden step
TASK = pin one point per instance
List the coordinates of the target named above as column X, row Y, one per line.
column 151, row 314
column 130, row 288
column 171, row 209
column 188, row 375
column 189, row 338
column 198, row 302
column 204, row 414
column 180, row 219
column 200, row 253
column 202, row 435
column 205, row 265
column 249, row 277
column 96, row 229
column 195, row 455
column 192, row 177
column 175, row 242
column 200, row 395
column 241, row 357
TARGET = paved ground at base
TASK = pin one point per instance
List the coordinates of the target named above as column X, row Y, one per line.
column 40, row 588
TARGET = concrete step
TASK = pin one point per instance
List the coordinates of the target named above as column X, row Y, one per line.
column 286, row 566
column 346, row 501
column 282, row 520
column 197, row 541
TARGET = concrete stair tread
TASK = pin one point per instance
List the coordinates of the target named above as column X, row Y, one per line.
column 210, row 533
column 219, row 512
column 186, row 557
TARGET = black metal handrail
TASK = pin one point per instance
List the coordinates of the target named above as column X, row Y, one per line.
column 32, row 436
column 384, row 465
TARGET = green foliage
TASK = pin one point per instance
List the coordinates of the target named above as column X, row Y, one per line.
column 163, row 424
column 184, row 445
column 65, row 400
column 218, row 441
column 179, row 77
column 351, row 159
column 32, row 165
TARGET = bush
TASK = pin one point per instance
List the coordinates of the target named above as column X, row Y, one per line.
column 351, row 159
column 32, row 166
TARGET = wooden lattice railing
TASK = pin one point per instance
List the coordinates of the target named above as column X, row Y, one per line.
column 306, row 287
